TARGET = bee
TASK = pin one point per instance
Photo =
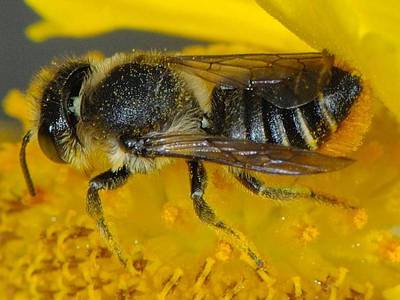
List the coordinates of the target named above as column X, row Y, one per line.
column 136, row 112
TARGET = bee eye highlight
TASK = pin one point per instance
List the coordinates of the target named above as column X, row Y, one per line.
column 70, row 93
column 48, row 144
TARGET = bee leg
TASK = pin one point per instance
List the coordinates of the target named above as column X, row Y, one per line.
column 258, row 187
column 106, row 181
column 207, row 215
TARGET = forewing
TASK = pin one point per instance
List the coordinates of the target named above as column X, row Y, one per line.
column 285, row 80
column 266, row 158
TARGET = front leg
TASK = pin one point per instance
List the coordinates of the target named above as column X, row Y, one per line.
column 206, row 214
column 105, row 181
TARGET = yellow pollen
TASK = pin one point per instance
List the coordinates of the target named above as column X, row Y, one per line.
column 224, row 251
column 170, row 213
column 360, row 218
column 307, row 233
column 390, row 249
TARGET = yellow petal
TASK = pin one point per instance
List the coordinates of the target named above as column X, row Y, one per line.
column 366, row 34
column 238, row 21
column 16, row 106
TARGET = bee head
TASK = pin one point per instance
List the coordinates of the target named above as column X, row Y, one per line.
column 58, row 114
column 59, row 110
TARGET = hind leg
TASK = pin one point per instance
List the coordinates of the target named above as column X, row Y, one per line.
column 258, row 187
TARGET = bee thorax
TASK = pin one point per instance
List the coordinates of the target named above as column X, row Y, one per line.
column 134, row 99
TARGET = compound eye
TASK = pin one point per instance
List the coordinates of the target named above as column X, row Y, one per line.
column 47, row 142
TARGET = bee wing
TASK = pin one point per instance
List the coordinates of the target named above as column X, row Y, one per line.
column 266, row 158
column 285, row 80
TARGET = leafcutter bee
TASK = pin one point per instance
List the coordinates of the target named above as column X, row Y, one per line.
column 138, row 111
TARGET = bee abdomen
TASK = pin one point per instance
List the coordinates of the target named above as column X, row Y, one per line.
column 245, row 114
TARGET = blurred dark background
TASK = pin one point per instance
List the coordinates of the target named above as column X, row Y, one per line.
column 20, row 58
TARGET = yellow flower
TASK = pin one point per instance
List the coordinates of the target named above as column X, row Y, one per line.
column 50, row 248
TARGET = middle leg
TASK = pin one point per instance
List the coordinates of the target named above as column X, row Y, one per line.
column 207, row 215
